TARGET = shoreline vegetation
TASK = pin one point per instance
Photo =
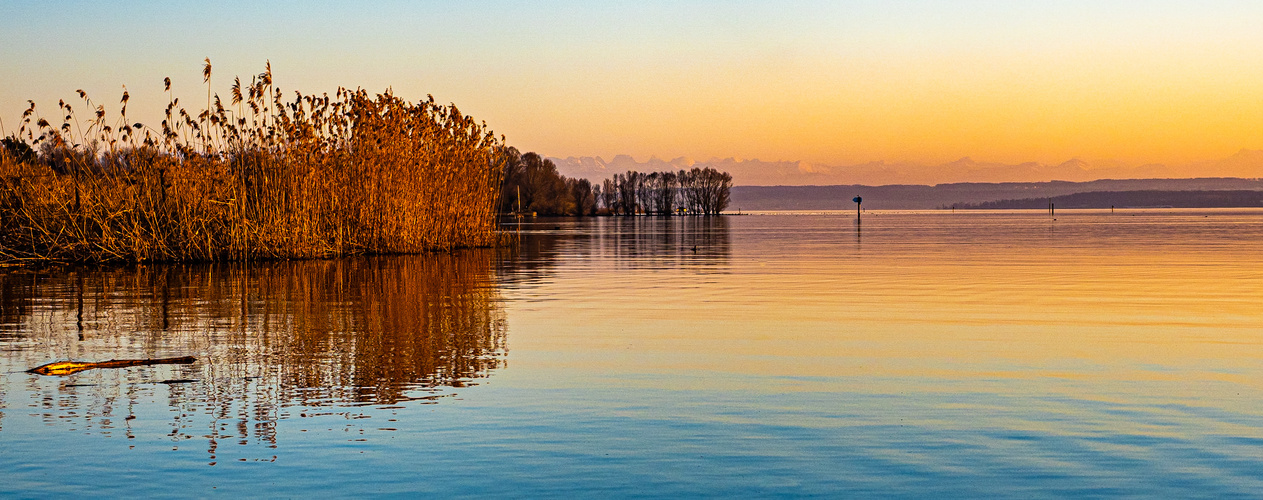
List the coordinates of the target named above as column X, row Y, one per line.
column 532, row 185
column 262, row 174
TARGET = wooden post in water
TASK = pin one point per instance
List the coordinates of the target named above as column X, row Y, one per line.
column 857, row 201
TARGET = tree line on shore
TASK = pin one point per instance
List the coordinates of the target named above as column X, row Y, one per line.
column 265, row 174
column 531, row 184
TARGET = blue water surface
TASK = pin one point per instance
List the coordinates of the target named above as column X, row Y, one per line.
column 989, row 354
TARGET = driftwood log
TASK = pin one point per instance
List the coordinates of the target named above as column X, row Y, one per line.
column 69, row 367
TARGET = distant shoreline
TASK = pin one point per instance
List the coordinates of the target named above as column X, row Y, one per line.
column 1132, row 199
column 1031, row 195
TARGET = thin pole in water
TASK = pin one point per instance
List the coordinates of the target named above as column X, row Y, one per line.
column 858, row 200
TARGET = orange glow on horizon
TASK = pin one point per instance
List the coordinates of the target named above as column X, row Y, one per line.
column 830, row 83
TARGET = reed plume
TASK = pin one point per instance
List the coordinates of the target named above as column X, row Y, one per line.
column 305, row 176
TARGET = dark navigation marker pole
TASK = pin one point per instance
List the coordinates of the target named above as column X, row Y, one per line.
column 857, row 201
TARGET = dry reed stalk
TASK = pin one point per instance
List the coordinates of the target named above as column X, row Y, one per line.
column 315, row 176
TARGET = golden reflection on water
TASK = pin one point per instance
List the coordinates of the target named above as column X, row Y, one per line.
column 954, row 347
column 267, row 337
column 624, row 243
column 971, row 297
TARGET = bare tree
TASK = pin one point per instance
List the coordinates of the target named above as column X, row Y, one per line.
column 581, row 193
column 664, row 193
column 627, row 186
column 645, row 191
column 689, row 190
column 543, row 189
column 713, row 189
column 511, row 182
column 609, row 196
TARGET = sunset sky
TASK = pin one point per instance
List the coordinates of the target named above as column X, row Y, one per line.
column 829, row 82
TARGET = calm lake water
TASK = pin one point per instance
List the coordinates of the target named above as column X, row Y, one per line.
column 918, row 354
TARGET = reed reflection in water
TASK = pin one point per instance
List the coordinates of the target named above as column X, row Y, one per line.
column 273, row 341
column 938, row 354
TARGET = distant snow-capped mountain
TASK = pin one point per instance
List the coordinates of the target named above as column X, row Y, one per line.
column 1244, row 164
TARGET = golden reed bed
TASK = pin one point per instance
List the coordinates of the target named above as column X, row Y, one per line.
column 264, row 175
